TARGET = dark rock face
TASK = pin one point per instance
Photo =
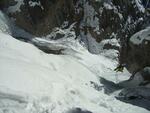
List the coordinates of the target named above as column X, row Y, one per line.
column 135, row 56
column 138, row 57
column 39, row 17
column 109, row 46
column 146, row 74
column 6, row 3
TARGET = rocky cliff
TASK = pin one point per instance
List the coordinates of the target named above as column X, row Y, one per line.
column 110, row 19
column 37, row 16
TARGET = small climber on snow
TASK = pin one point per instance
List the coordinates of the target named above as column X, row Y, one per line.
column 119, row 68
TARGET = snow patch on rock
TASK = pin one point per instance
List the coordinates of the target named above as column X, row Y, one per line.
column 139, row 37
column 33, row 4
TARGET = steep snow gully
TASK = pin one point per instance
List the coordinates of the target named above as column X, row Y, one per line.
column 76, row 81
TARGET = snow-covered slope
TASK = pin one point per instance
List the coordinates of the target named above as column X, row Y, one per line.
column 32, row 81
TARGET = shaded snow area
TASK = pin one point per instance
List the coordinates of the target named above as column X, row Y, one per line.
column 75, row 81
column 4, row 24
column 16, row 7
column 141, row 36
